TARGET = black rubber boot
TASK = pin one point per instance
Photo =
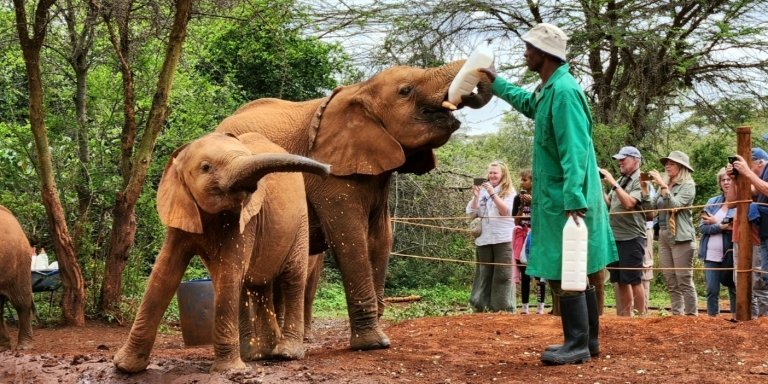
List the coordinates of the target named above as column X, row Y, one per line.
column 593, row 312
column 594, row 324
column 575, row 349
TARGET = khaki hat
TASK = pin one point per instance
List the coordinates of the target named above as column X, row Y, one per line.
column 678, row 157
column 548, row 38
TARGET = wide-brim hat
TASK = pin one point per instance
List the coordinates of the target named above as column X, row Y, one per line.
column 548, row 38
column 678, row 157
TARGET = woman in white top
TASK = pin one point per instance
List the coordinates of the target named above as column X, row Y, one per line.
column 493, row 288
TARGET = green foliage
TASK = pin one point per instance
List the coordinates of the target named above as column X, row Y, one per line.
column 330, row 300
column 608, row 140
column 266, row 55
column 436, row 300
column 707, row 157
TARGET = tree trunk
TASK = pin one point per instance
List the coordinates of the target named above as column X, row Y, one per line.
column 73, row 302
column 80, row 48
column 83, row 185
column 124, row 226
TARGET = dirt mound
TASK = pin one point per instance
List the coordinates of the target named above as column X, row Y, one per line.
column 475, row 348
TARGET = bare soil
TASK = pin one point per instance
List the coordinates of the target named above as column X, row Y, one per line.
column 471, row 348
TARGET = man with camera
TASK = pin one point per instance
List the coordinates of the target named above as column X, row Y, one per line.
column 625, row 201
column 757, row 174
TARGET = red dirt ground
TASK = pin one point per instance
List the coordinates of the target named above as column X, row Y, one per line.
column 472, row 348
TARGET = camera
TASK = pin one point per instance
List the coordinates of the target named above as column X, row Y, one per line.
column 734, row 172
column 479, row 180
column 645, row 176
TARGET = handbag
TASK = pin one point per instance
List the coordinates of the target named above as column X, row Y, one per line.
column 526, row 249
column 726, row 276
column 476, row 227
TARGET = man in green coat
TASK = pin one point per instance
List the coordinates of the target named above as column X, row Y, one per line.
column 566, row 183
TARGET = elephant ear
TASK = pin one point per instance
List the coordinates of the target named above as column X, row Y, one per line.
column 175, row 204
column 352, row 139
column 419, row 162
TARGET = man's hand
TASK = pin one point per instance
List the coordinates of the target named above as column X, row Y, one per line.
column 490, row 72
column 577, row 215
column 607, row 177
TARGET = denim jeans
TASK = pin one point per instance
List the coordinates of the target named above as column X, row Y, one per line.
column 764, row 260
column 713, row 289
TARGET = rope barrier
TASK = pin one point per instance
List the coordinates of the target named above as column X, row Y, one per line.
column 410, row 221
column 754, row 270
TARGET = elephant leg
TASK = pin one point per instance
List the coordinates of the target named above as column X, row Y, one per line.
column 314, row 271
column 227, row 283
column 351, row 251
column 265, row 332
column 5, row 340
column 23, row 303
column 292, row 282
column 379, row 247
column 163, row 282
column 246, row 323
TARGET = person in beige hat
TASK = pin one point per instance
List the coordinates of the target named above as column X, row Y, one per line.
column 676, row 231
column 568, row 183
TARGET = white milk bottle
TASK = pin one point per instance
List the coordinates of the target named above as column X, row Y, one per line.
column 468, row 77
column 42, row 260
column 575, row 239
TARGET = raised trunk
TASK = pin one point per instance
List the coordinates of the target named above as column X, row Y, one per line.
column 445, row 74
column 253, row 168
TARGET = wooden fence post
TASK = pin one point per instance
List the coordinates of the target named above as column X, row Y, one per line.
column 744, row 264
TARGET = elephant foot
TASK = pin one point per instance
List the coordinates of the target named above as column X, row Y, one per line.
column 228, row 365
column 130, row 362
column 367, row 339
column 254, row 351
column 5, row 341
column 308, row 335
column 24, row 345
column 289, row 350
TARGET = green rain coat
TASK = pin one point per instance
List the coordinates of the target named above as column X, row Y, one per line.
column 565, row 173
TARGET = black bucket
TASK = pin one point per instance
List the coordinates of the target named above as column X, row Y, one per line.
column 196, row 315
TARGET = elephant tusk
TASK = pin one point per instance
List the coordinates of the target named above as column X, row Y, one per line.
column 448, row 105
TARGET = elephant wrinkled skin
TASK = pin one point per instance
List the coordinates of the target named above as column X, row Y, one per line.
column 231, row 201
column 16, row 279
column 366, row 131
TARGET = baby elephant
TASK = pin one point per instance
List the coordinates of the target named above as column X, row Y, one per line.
column 230, row 201
column 16, row 279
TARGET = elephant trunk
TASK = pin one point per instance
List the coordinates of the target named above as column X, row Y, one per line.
column 255, row 167
column 445, row 75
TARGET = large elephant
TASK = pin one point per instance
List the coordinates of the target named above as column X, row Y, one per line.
column 222, row 200
column 366, row 131
column 16, row 279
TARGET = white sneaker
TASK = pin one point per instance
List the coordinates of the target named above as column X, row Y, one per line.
column 524, row 309
column 540, row 309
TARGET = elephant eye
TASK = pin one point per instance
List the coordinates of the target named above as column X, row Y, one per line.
column 405, row 90
column 205, row 166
